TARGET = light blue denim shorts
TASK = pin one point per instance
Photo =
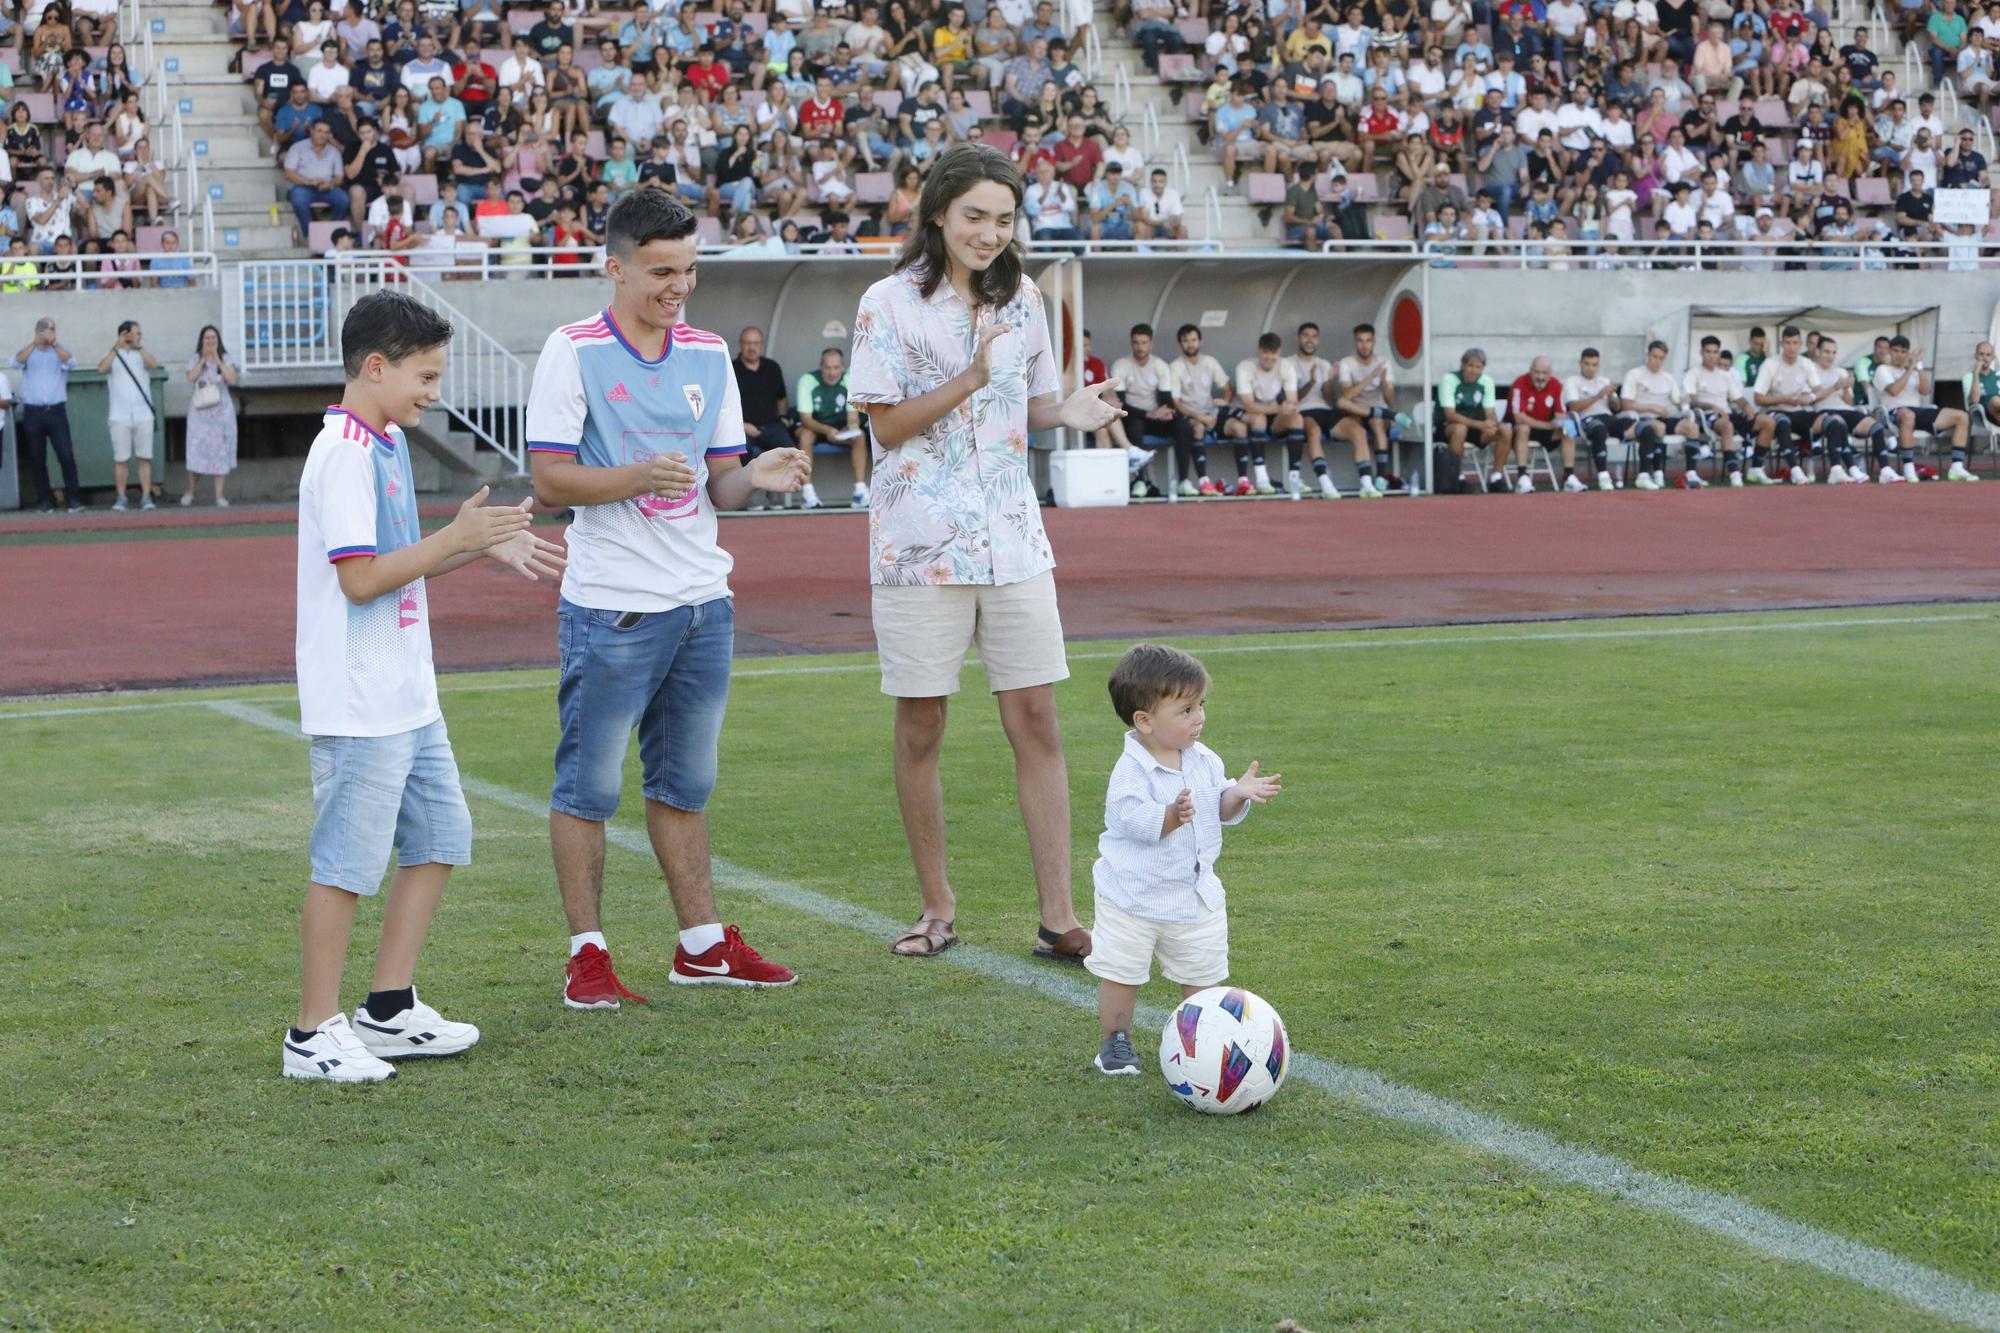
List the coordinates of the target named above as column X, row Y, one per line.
column 375, row 794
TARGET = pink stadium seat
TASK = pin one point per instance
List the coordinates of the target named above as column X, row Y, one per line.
column 1649, row 230
column 254, row 61
column 757, row 23
column 708, row 231
column 1391, row 226
column 1772, row 113
column 1871, row 192
column 1517, row 227
column 888, row 101
column 979, row 102
column 587, row 57
column 148, row 239
column 41, row 107
column 1194, row 31
column 423, row 188
column 521, row 21
column 1179, row 67
column 321, row 239
column 596, row 146
column 873, row 187
column 1004, row 140
column 753, row 98
column 1780, row 147
column 1266, row 187
column 1366, row 190
column 1458, row 178
column 1323, row 185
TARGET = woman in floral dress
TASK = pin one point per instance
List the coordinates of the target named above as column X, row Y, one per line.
column 211, row 429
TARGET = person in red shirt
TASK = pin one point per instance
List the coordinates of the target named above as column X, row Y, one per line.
column 821, row 116
column 1029, row 150
column 1381, row 127
column 1536, row 406
column 1077, row 156
column 473, row 80
column 1788, row 21
column 708, row 75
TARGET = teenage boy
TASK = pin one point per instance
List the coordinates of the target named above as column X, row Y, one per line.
column 383, row 774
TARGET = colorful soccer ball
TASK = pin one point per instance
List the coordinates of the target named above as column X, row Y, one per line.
column 1224, row 1051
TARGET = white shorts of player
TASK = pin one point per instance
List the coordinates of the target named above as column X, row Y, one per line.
column 1191, row 953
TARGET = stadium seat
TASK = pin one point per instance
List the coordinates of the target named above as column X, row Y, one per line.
column 1391, row 226
column 1772, row 113
column 521, row 21
column 321, row 238
column 148, row 239
column 1179, row 67
column 1194, row 31
column 708, row 231
column 873, row 187
column 979, row 102
column 1780, row 148
column 1871, row 192
column 423, row 188
column 1266, row 187
column 888, row 101
column 1004, row 140
column 41, row 107
column 1366, row 189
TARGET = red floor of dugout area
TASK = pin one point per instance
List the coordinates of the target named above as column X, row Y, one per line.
column 131, row 614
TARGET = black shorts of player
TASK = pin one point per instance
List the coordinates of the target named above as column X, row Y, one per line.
column 1925, row 418
column 1738, row 421
column 1548, row 437
column 1326, row 417
column 1227, row 412
column 1623, row 424
column 1150, row 429
column 1851, row 415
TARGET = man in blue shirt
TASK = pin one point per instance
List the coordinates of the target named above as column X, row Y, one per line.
column 45, row 366
column 171, row 261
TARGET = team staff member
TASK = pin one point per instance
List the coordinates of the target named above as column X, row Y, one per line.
column 634, row 422
column 825, row 414
column 1469, row 410
column 1536, row 405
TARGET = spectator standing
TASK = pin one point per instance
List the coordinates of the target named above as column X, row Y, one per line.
column 132, row 410
column 45, row 366
column 211, row 418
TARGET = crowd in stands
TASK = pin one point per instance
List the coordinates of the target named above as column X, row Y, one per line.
column 1770, row 416
column 1580, row 125
column 82, row 189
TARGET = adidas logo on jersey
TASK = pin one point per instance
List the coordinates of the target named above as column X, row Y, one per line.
column 619, row 393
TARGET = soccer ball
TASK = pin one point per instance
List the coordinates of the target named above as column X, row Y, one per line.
column 1224, row 1051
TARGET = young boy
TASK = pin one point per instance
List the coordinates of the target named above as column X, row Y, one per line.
column 382, row 769
column 1157, row 894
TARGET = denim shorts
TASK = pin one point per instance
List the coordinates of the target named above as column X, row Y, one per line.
column 664, row 672
column 375, row 793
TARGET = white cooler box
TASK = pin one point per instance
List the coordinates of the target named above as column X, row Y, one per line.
column 1088, row 478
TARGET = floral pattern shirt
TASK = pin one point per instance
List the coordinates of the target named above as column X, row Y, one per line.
column 957, row 503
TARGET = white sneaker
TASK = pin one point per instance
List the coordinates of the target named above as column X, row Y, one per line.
column 221, row 502
column 1910, row 472
column 1604, row 482
column 860, row 500
column 418, row 1030
column 1890, row 477
column 1960, row 472
column 1644, row 482
column 1759, row 477
column 1326, row 489
column 1692, row 481
column 333, row 1053
column 146, row 502
column 1524, row 485
column 1800, row 477
column 1575, row 484
column 1659, row 479
column 119, row 506
column 187, row 500
column 809, row 498
column 1372, row 489
column 1837, row 476
column 1857, row 474
column 1736, row 480
column 1498, row 482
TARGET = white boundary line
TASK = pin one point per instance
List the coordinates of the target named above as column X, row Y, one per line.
column 1713, row 1211
column 1343, row 644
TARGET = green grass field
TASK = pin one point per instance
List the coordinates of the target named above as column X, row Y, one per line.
column 1721, row 905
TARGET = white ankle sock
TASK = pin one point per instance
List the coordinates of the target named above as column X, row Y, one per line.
column 700, row 939
column 1261, row 474
column 576, row 942
column 808, row 494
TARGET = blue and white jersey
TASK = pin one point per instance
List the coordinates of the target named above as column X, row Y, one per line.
column 597, row 399
column 363, row 670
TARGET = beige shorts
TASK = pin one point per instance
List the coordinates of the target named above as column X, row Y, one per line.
column 1191, row 953
column 923, row 632
column 131, row 439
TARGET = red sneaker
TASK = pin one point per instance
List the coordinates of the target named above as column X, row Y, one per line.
column 730, row 963
column 592, row 984
column 1208, row 487
column 1243, row 487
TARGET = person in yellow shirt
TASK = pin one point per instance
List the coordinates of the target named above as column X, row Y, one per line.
column 1304, row 38
column 17, row 271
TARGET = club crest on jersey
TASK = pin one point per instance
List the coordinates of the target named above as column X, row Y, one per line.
column 696, row 400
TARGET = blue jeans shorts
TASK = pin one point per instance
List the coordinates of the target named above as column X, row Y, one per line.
column 664, row 672
column 375, row 793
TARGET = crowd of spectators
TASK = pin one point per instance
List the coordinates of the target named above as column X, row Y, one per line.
column 1582, row 125
column 82, row 190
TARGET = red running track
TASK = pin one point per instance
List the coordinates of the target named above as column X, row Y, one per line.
column 199, row 609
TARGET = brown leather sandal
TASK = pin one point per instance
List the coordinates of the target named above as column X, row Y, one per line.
column 936, row 936
column 1072, row 946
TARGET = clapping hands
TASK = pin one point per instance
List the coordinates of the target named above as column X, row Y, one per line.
column 1255, row 788
column 528, row 555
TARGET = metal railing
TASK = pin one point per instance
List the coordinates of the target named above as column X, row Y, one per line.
column 1964, row 254
column 108, row 272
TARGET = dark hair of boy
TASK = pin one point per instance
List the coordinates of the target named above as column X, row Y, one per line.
column 391, row 325
column 645, row 216
column 1270, row 342
column 1151, row 673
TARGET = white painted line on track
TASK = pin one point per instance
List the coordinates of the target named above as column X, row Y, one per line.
column 1713, row 1211
column 1468, row 635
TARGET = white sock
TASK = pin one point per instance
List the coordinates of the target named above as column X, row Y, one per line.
column 1262, row 474
column 576, row 942
column 1326, row 484
column 808, row 494
column 861, row 490
column 700, row 939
